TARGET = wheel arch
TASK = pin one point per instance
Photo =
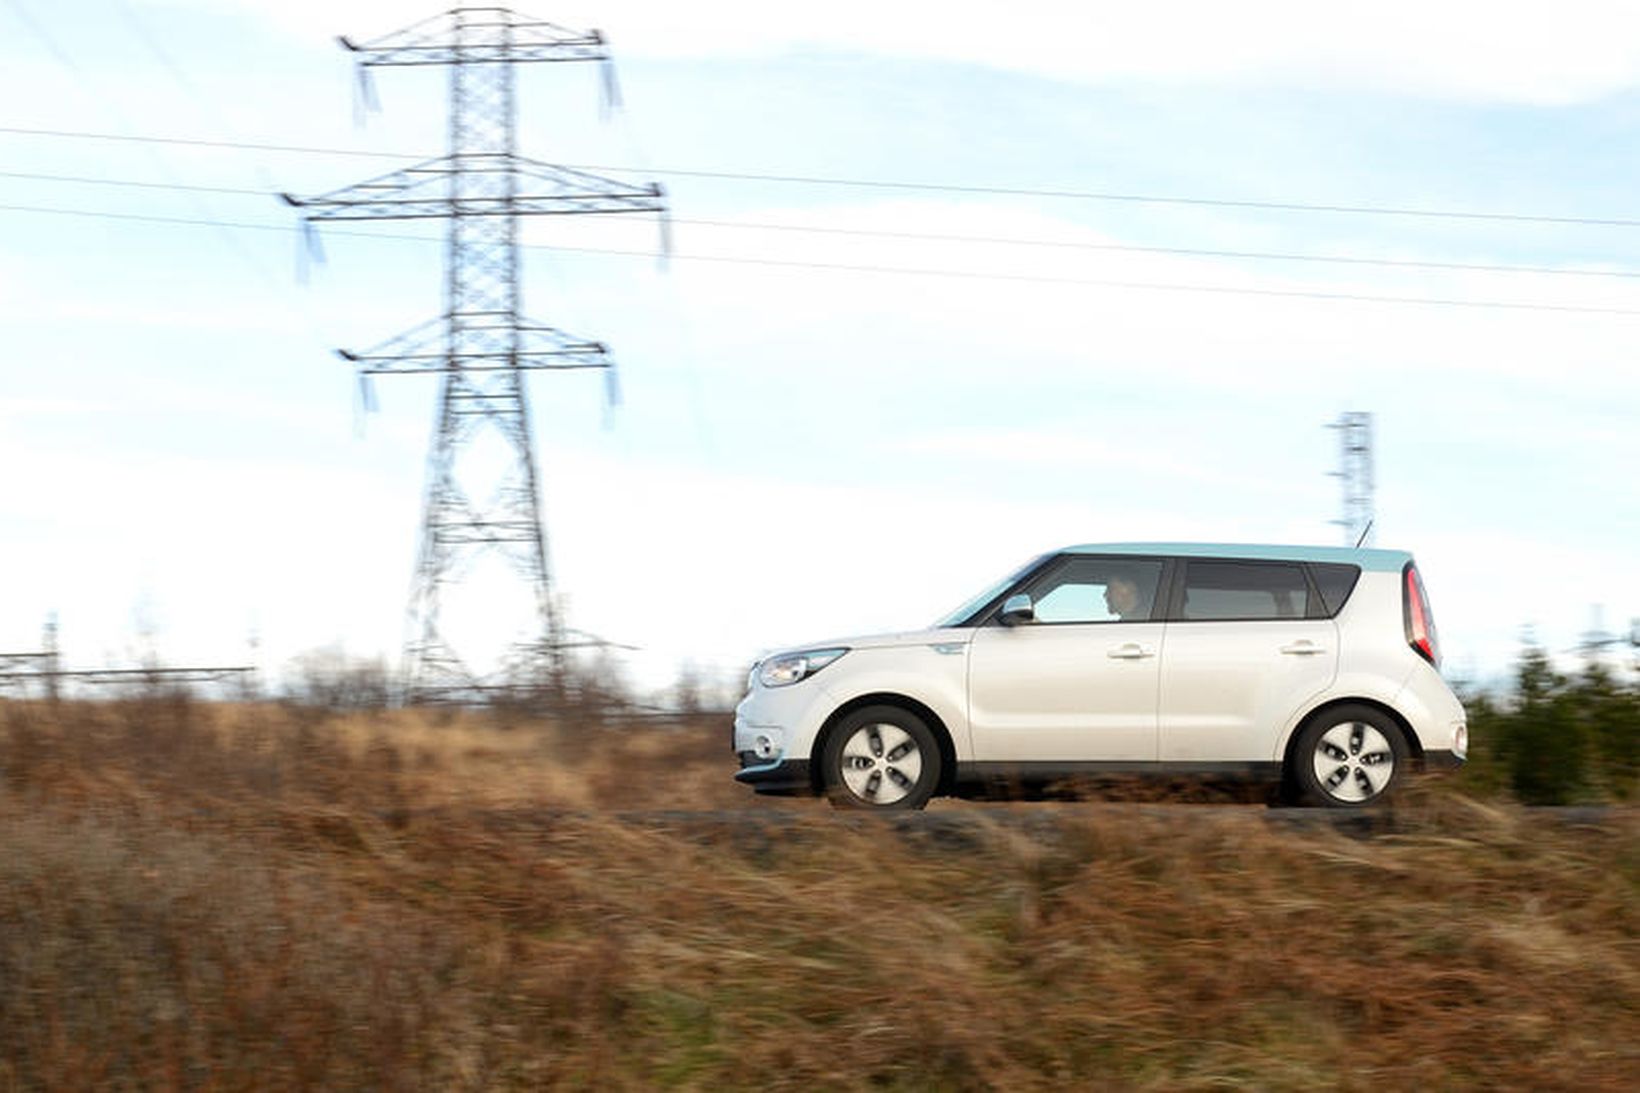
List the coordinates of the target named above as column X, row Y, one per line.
column 942, row 735
column 1414, row 746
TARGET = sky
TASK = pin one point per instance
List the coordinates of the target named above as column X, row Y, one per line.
column 1078, row 315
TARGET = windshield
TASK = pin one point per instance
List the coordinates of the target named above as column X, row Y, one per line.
column 966, row 611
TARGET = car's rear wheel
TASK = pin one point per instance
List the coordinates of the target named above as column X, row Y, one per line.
column 881, row 757
column 1348, row 757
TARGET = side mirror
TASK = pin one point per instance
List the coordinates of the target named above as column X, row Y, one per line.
column 1017, row 609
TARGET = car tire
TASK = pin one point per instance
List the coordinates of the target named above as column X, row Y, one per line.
column 1348, row 757
column 881, row 757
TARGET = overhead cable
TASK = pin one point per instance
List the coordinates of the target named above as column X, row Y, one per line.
column 902, row 185
column 976, row 275
column 952, row 237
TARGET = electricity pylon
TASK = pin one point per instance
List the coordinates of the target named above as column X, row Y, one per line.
column 483, row 344
column 1355, row 471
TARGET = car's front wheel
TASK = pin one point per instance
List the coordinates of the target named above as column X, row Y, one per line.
column 881, row 757
column 1349, row 756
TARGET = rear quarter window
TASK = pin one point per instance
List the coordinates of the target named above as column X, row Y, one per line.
column 1335, row 582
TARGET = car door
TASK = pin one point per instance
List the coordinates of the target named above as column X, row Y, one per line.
column 1245, row 651
column 1078, row 682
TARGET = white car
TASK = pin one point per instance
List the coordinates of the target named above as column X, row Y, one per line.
column 1314, row 667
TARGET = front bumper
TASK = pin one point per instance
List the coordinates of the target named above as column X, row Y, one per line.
column 774, row 734
column 781, row 778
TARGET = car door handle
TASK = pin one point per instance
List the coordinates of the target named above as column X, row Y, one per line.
column 1130, row 650
column 1304, row 647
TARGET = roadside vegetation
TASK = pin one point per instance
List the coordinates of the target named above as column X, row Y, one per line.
column 1557, row 737
column 323, row 894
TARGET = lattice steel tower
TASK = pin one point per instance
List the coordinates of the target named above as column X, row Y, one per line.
column 482, row 344
column 1355, row 472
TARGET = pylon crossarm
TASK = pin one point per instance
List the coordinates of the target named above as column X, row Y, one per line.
column 568, row 182
column 539, row 340
column 426, row 32
column 441, row 365
column 391, row 187
column 442, row 207
column 419, row 339
column 424, row 349
column 478, row 35
column 497, row 361
column 423, row 192
column 436, row 54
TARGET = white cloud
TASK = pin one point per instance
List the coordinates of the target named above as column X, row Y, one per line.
column 1073, row 310
column 213, row 544
column 1108, row 456
column 1465, row 49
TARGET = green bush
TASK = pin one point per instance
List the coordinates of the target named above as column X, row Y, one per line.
column 1557, row 738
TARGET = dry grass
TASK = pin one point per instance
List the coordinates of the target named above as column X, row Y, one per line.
column 231, row 898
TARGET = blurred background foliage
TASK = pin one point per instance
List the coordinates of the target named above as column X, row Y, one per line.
column 1556, row 737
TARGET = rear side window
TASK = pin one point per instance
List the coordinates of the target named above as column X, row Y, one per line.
column 1335, row 582
column 1244, row 590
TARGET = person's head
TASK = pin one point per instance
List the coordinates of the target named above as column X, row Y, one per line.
column 1122, row 596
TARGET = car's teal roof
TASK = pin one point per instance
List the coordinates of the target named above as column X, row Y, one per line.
column 1366, row 558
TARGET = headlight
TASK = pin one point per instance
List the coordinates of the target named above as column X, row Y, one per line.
column 789, row 668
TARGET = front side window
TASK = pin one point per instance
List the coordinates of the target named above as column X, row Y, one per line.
column 1244, row 590
column 1097, row 589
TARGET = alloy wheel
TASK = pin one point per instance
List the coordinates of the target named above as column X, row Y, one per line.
column 1353, row 762
column 881, row 763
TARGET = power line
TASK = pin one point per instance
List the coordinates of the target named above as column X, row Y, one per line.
column 989, row 240
column 891, row 184
column 1196, row 252
column 137, row 184
column 112, row 105
column 1150, row 199
column 974, row 275
column 1161, row 286
column 200, row 142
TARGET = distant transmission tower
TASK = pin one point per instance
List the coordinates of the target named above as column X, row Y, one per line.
column 482, row 344
column 1355, row 472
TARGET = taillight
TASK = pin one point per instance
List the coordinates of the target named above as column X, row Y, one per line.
column 1419, row 621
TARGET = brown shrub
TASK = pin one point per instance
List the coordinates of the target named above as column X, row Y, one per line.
column 387, row 902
